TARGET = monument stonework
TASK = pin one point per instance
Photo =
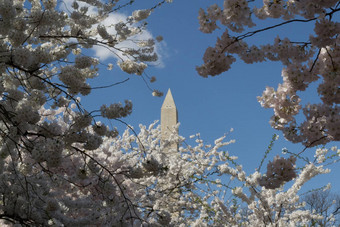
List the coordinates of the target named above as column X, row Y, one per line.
column 169, row 119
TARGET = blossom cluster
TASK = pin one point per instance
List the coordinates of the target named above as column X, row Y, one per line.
column 279, row 171
column 132, row 67
column 139, row 15
column 116, row 110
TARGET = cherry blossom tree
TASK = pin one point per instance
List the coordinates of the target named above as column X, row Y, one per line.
column 46, row 135
column 326, row 203
column 304, row 61
column 202, row 184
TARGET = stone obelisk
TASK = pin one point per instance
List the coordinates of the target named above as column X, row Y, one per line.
column 169, row 119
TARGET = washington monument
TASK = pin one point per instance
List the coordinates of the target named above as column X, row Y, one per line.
column 169, row 118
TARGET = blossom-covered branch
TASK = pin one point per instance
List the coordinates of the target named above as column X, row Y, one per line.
column 306, row 61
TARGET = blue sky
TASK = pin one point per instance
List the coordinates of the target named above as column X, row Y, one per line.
column 210, row 106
